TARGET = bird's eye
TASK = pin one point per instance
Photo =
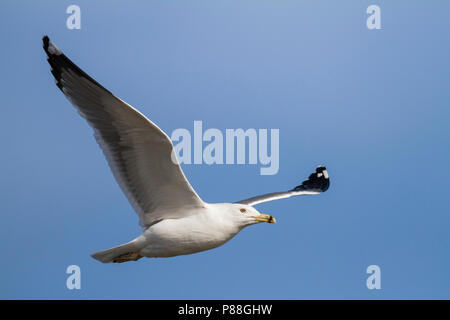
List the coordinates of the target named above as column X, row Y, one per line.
column 243, row 210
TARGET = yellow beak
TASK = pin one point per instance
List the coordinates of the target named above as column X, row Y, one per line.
column 265, row 218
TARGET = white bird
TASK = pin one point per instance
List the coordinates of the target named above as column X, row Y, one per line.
column 174, row 220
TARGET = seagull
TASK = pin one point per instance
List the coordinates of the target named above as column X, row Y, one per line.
column 173, row 218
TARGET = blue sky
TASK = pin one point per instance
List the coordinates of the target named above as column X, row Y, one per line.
column 371, row 105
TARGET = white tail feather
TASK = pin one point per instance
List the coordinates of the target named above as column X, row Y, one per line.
column 129, row 251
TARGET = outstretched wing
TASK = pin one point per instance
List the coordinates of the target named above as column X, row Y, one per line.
column 317, row 183
column 138, row 152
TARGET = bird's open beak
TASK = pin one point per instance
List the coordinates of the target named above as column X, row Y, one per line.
column 265, row 218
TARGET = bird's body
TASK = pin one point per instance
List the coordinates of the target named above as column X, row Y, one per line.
column 205, row 229
column 202, row 229
column 174, row 219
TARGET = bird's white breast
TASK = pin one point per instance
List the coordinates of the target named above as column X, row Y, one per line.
column 204, row 230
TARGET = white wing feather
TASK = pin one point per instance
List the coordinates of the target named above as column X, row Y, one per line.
column 138, row 152
column 317, row 183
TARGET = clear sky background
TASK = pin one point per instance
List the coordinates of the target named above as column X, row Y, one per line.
column 371, row 105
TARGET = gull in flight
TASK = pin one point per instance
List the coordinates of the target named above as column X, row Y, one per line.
column 173, row 218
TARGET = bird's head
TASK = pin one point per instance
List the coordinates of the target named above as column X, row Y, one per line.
column 248, row 215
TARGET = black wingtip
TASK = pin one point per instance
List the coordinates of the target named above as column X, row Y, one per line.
column 49, row 47
column 45, row 42
column 54, row 59
column 317, row 181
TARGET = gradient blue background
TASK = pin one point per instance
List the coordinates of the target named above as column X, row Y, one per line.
column 373, row 106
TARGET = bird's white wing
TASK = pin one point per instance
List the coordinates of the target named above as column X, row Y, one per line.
column 317, row 183
column 138, row 152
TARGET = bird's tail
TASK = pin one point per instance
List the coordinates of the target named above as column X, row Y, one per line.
column 123, row 253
